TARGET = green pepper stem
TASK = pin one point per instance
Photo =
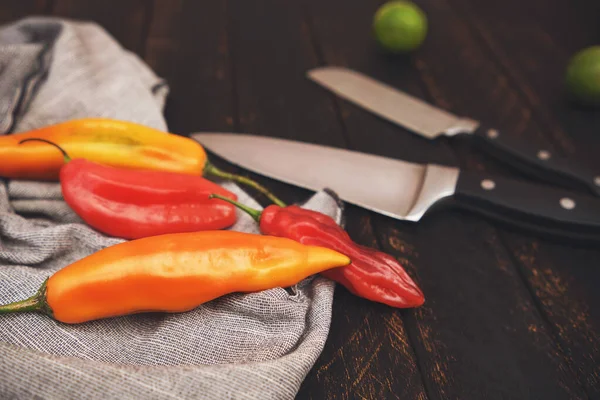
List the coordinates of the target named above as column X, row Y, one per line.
column 64, row 153
column 36, row 303
column 212, row 170
column 255, row 214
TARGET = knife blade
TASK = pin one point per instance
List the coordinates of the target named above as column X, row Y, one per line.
column 430, row 122
column 405, row 190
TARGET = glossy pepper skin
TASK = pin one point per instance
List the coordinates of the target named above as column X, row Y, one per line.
column 133, row 204
column 373, row 275
column 110, row 142
column 106, row 141
column 174, row 273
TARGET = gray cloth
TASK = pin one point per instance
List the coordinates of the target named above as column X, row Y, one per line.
column 240, row 346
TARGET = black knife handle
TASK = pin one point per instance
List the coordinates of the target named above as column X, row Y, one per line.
column 537, row 161
column 529, row 203
column 516, row 223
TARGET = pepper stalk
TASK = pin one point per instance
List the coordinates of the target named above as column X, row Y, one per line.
column 210, row 169
column 35, row 303
column 64, row 153
column 254, row 213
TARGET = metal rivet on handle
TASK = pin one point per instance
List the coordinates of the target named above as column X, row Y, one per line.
column 597, row 181
column 543, row 154
column 488, row 184
column 567, row 203
column 492, row 133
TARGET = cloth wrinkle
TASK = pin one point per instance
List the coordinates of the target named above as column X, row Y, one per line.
column 239, row 346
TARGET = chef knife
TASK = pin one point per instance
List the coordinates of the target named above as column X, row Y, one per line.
column 407, row 191
column 431, row 122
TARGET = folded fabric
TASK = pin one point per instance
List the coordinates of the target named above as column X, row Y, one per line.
column 257, row 345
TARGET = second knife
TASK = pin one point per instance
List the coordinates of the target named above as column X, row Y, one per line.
column 431, row 122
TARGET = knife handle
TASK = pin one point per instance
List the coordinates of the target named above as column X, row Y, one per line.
column 538, row 161
column 545, row 207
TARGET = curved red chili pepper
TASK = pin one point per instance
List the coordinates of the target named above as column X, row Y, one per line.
column 373, row 275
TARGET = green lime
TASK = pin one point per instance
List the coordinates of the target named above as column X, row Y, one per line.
column 583, row 76
column 400, row 26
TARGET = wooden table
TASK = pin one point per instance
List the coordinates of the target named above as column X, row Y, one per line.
column 508, row 314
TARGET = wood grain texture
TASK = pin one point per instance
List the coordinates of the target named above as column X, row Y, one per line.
column 271, row 51
column 196, row 63
column 564, row 280
column 530, row 243
column 530, row 46
column 164, row 33
column 126, row 20
column 455, row 367
column 480, row 334
column 11, row 10
column 535, row 52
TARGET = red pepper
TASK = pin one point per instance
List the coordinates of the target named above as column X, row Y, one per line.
column 373, row 275
column 133, row 204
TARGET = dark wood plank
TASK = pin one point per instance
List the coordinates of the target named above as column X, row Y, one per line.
column 473, row 336
column 480, row 333
column 164, row 28
column 271, row 52
column 564, row 280
column 536, row 52
column 528, row 41
column 272, row 48
column 126, row 20
column 12, row 10
column 532, row 131
column 198, row 71
column 569, row 27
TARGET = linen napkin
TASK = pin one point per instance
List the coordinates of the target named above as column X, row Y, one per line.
column 240, row 346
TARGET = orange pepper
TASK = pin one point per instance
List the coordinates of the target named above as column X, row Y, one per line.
column 110, row 142
column 174, row 273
